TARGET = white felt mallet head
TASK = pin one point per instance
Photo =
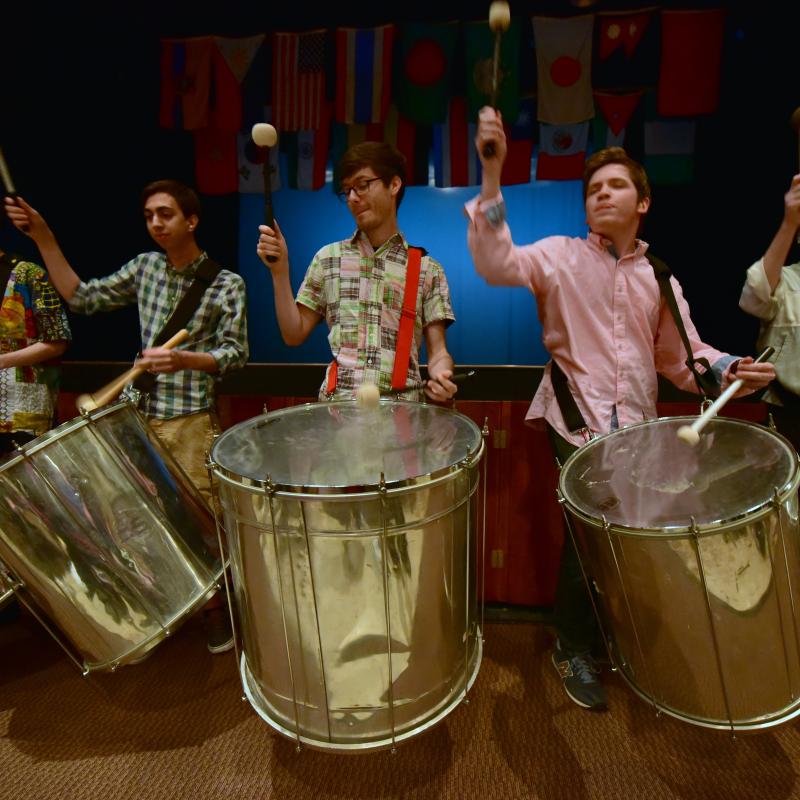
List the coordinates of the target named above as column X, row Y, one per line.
column 499, row 16
column 688, row 435
column 264, row 134
column 367, row 395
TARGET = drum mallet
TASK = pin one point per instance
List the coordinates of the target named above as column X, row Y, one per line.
column 690, row 434
column 368, row 395
column 5, row 176
column 499, row 21
column 89, row 402
column 265, row 135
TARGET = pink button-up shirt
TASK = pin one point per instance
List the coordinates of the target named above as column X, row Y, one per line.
column 602, row 317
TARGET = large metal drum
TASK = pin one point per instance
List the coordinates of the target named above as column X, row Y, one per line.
column 695, row 558
column 354, row 540
column 104, row 537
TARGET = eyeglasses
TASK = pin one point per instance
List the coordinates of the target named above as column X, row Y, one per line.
column 360, row 188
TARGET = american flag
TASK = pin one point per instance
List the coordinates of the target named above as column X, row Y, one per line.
column 298, row 89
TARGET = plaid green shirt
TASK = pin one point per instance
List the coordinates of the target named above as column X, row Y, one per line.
column 218, row 327
column 359, row 291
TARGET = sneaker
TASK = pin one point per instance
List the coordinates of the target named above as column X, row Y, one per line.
column 579, row 672
column 218, row 630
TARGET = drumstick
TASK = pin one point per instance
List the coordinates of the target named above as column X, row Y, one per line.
column 265, row 135
column 368, row 394
column 104, row 395
column 499, row 21
column 690, row 434
column 5, row 176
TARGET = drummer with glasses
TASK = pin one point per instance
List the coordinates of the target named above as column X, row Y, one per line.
column 359, row 287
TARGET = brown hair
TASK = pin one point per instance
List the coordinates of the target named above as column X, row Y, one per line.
column 616, row 155
column 382, row 158
column 186, row 198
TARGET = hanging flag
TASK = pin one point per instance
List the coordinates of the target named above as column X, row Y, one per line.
column 425, row 70
column 215, row 161
column 298, row 80
column 562, row 151
column 617, row 109
column 256, row 85
column 479, row 44
column 231, row 61
column 308, row 155
column 413, row 141
column 455, row 159
column 251, row 158
column 363, row 73
column 564, row 66
column 519, row 142
column 669, row 151
column 691, row 55
column 185, row 82
column 626, row 50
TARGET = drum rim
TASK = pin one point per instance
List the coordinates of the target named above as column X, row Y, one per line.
column 668, row 531
column 70, row 425
column 304, row 491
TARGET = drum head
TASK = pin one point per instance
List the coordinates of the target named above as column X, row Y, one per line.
column 338, row 445
column 644, row 477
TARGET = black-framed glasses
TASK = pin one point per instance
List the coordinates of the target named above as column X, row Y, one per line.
column 359, row 187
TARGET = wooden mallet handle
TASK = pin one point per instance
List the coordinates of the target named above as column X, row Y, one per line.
column 107, row 393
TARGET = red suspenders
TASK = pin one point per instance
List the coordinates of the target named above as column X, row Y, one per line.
column 405, row 333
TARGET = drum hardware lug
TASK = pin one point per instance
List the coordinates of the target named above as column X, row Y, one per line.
column 485, row 428
column 706, row 402
column 775, row 498
column 466, row 462
column 771, row 422
column 269, row 486
column 265, row 409
column 382, row 484
column 560, row 496
column 606, row 526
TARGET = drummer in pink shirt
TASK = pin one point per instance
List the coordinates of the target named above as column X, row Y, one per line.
column 605, row 324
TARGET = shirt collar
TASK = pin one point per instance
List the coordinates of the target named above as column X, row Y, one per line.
column 360, row 240
column 190, row 270
column 601, row 243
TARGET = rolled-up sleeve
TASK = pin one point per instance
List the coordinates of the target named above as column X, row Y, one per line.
column 230, row 346
column 757, row 296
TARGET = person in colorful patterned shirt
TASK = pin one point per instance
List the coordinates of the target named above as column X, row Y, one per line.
column 34, row 333
column 180, row 404
column 357, row 286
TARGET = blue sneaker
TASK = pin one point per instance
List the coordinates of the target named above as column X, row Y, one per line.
column 579, row 673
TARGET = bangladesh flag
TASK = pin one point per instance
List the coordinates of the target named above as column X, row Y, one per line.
column 425, row 70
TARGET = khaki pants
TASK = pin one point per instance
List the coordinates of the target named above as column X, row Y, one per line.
column 188, row 439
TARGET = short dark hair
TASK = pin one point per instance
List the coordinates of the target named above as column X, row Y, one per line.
column 382, row 158
column 616, row 155
column 186, row 197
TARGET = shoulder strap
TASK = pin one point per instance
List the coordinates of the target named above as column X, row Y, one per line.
column 207, row 271
column 706, row 381
column 566, row 402
column 408, row 317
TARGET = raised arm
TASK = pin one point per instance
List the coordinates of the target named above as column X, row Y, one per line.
column 32, row 224
column 778, row 250
column 296, row 321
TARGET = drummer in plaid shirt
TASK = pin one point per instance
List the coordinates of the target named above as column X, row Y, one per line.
column 180, row 405
column 357, row 286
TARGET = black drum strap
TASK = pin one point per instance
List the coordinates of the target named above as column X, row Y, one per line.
column 207, row 271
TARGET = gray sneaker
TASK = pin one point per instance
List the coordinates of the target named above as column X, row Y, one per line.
column 579, row 673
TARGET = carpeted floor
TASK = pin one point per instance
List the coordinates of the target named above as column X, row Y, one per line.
column 175, row 727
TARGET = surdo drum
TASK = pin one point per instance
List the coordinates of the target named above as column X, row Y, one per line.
column 354, row 542
column 694, row 558
column 104, row 538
